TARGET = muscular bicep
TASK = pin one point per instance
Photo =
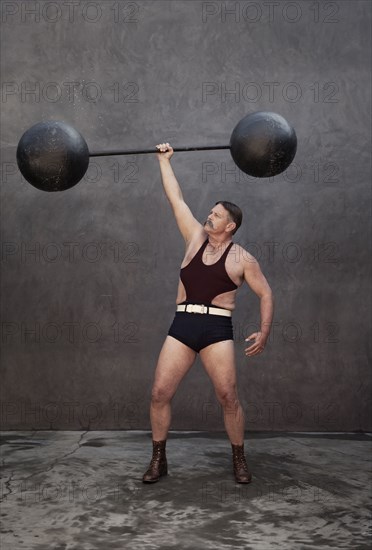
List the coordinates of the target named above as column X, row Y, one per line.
column 187, row 224
column 254, row 277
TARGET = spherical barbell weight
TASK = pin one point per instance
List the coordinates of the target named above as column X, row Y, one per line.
column 263, row 144
column 52, row 156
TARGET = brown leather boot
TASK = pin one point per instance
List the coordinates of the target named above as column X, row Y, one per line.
column 158, row 466
column 241, row 471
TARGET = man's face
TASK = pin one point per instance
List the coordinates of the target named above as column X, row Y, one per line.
column 218, row 220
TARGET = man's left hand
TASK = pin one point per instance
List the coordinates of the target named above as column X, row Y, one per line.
column 258, row 346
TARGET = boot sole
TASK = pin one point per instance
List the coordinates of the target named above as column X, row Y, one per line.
column 153, row 480
column 245, row 482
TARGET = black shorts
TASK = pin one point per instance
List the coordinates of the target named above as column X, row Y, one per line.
column 199, row 330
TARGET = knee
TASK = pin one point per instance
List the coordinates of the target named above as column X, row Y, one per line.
column 228, row 398
column 160, row 395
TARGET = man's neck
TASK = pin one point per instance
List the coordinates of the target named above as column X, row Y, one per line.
column 219, row 241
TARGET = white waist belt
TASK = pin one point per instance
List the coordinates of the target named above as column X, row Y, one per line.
column 196, row 308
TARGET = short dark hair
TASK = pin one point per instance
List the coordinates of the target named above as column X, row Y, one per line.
column 235, row 214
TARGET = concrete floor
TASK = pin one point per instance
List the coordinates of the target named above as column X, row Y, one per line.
column 83, row 491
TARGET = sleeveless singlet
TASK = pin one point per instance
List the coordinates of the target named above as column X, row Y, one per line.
column 204, row 282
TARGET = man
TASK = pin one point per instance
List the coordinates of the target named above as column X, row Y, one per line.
column 211, row 271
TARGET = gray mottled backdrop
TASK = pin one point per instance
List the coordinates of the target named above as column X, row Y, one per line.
column 89, row 275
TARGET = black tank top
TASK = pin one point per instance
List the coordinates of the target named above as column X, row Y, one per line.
column 204, row 282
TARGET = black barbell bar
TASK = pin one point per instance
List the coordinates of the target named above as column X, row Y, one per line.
column 152, row 151
column 53, row 156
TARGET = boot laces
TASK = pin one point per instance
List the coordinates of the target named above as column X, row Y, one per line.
column 156, row 457
column 240, row 461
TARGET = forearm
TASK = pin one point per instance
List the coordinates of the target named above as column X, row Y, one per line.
column 170, row 183
column 267, row 312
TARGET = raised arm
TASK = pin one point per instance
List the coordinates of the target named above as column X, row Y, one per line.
column 186, row 222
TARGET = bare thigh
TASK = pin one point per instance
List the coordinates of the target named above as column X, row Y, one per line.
column 175, row 360
column 219, row 362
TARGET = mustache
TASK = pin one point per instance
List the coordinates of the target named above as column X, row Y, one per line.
column 208, row 222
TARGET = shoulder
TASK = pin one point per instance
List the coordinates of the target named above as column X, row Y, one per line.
column 239, row 261
column 241, row 255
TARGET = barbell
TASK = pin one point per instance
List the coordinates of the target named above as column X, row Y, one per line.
column 53, row 156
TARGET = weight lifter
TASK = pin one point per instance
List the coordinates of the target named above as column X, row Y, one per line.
column 211, row 271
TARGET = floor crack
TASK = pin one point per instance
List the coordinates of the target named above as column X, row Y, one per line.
column 7, row 484
column 52, row 465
